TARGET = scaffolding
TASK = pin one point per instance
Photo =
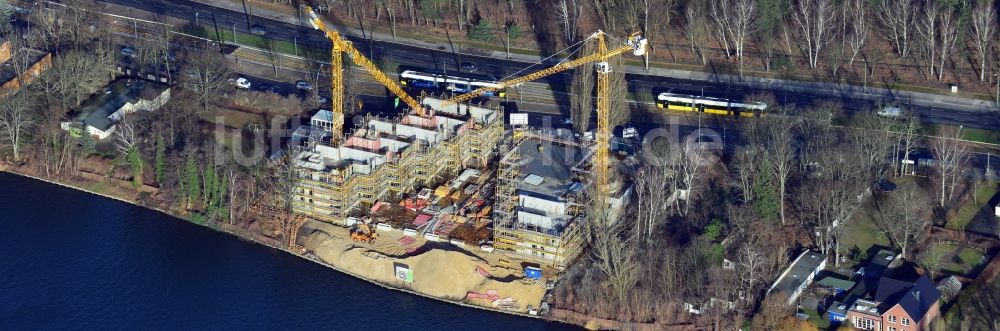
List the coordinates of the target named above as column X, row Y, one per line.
column 384, row 158
column 526, row 241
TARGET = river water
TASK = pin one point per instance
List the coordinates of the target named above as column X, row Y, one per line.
column 71, row 260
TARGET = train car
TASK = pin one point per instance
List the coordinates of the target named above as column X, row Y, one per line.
column 709, row 105
column 439, row 82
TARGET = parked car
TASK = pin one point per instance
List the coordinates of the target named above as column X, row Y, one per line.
column 890, row 112
column 469, row 66
column 258, row 30
column 128, row 52
column 242, row 83
column 303, row 85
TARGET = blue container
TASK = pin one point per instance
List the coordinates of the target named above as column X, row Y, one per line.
column 533, row 273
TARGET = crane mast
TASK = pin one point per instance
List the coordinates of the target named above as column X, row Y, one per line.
column 341, row 46
column 634, row 43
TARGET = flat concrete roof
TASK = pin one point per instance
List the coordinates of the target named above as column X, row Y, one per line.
column 798, row 272
column 551, row 162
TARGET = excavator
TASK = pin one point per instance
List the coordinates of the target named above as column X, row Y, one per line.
column 363, row 233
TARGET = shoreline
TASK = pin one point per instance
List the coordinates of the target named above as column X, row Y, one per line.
column 286, row 250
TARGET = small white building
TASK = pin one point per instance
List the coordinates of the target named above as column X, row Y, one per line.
column 98, row 114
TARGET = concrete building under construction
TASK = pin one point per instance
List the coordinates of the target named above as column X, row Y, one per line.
column 384, row 158
column 539, row 214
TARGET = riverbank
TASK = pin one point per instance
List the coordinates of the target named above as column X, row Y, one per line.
column 321, row 242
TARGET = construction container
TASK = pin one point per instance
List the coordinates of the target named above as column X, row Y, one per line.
column 409, row 232
column 351, row 221
column 384, row 227
column 442, row 191
column 457, row 242
column 432, row 237
column 532, row 273
column 425, row 194
column 486, row 248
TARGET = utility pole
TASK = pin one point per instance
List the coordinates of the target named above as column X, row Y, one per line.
column 196, row 18
column 997, row 76
column 218, row 36
column 234, row 33
column 246, row 12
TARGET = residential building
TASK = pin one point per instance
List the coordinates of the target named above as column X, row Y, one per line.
column 98, row 115
column 19, row 67
column 537, row 214
column 798, row 276
column 897, row 306
column 384, row 158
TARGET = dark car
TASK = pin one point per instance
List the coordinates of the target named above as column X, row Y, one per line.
column 258, row 30
column 469, row 66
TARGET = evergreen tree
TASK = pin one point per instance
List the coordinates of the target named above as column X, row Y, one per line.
column 135, row 161
column 482, row 31
column 220, row 197
column 766, row 202
column 192, row 183
column 211, row 184
column 161, row 160
column 87, row 144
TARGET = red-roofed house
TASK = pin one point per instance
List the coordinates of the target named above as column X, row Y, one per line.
column 897, row 306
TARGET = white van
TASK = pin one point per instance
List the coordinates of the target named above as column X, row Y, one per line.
column 890, row 112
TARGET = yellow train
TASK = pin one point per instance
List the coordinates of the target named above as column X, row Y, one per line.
column 708, row 105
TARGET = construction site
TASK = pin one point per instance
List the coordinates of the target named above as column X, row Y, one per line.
column 446, row 198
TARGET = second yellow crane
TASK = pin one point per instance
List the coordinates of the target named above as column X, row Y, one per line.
column 337, row 73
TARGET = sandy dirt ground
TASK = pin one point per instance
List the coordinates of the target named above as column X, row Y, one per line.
column 439, row 269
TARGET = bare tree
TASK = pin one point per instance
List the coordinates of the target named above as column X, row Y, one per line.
column 934, row 256
column 750, row 268
column 906, row 140
column 695, row 29
column 16, row 121
column 857, row 23
column 651, row 188
column 128, row 134
column 567, row 14
column 815, row 20
column 743, row 173
column 950, row 155
column 208, row 77
column 690, row 172
column 776, row 136
column 897, row 23
column 742, row 26
column 905, row 218
column 73, row 76
column 949, row 25
column 582, row 100
column 720, row 12
column 872, row 139
column 927, row 27
column 614, row 255
column 983, row 24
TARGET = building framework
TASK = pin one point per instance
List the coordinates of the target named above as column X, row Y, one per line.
column 540, row 211
column 383, row 158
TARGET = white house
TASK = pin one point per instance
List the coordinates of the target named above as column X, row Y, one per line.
column 99, row 114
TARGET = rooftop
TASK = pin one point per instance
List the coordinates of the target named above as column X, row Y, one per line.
column 95, row 110
column 7, row 70
column 798, row 273
column 547, row 168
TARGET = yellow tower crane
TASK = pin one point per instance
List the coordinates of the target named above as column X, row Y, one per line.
column 634, row 43
column 337, row 74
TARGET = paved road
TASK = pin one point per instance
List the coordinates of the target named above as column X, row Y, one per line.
column 933, row 112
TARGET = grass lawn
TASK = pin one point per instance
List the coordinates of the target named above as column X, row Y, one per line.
column 971, row 207
column 230, row 118
column 816, row 318
column 971, row 134
column 862, row 232
column 964, row 262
